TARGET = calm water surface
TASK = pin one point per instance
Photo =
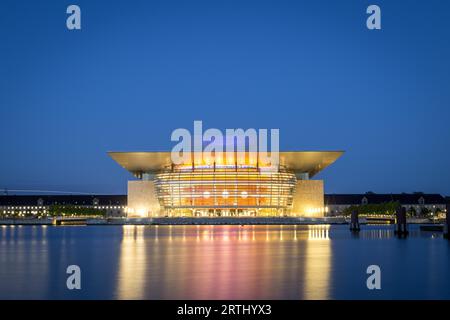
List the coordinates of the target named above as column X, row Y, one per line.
column 221, row 262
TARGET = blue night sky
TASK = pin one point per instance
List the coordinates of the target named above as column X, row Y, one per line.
column 139, row 69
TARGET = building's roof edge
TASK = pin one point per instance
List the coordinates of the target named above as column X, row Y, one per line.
column 299, row 161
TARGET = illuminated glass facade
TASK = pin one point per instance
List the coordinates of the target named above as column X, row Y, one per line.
column 224, row 191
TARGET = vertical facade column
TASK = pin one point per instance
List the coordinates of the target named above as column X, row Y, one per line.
column 142, row 198
column 308, row 199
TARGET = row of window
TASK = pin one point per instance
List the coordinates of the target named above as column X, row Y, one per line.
column 46, row 207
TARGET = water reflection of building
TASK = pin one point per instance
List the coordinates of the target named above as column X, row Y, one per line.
column 224, row 262
column 378, row 233
column 319, row 232
column 24, row 260
column 317, row 268
column 132, row 263
column 383, row 232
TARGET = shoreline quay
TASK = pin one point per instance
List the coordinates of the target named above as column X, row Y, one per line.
column 177, row 221
column 195, row 221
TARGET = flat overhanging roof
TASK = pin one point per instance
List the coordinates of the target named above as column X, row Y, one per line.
column 311, row 162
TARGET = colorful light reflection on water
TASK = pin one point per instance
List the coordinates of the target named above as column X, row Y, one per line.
column 221, row 262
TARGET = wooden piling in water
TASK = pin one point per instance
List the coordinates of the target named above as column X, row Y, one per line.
column 354, row 222
column 401, row 227
column 447, row 221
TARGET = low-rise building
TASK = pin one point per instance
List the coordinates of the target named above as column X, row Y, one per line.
column 116, row 205
column 30, row 205
column 337, row 203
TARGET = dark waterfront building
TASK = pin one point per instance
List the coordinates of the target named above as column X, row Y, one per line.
column 114, row 205
column 337, row 203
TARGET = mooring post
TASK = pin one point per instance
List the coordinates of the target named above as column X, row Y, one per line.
column 401, row 226
column 354, row 222
column 447, row 221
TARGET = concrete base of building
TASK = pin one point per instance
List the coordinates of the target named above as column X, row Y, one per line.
column 308, row 199
column 142, row 200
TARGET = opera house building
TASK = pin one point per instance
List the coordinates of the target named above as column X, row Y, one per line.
column 229, row 188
